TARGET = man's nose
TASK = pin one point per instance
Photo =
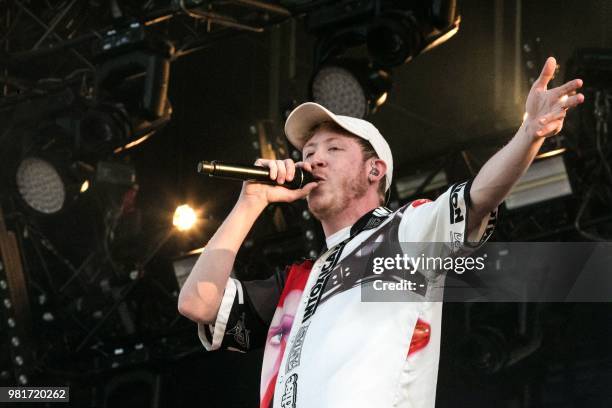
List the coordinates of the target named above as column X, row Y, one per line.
column 316, row 159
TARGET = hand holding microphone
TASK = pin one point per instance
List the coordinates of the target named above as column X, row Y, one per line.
column 268, row 180
column 284, row 173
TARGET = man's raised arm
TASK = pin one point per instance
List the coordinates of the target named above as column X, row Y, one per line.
column 202, row 292
column 545, row 111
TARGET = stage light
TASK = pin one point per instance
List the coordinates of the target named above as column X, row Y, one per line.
column 132, row 79
column 63, row 150
column 393, row 40
column 339, row 90
column 350, row 87
column 393, row 32
column 544, row 180
column 40, row 185
column 101, row 130
column 184, row 217
column 135, row 69
column 108, row 128
column 382, row 99
column 400, row 34
column 443, row 37
column 48, row 181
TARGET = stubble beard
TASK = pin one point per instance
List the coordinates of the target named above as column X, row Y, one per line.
column 340, row 199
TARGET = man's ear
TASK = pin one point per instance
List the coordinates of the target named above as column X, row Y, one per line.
column 378, row 169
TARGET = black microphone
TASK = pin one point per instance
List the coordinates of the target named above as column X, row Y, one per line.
column 252, row 173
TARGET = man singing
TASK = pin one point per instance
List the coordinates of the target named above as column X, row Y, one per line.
column 324, row 345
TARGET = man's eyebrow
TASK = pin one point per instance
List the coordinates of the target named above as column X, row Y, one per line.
column 309, row 144
column 314, row 144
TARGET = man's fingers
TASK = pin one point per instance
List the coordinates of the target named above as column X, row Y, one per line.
column 273, row 169
column 270, row 164
column 304, row 191
column 304, row 165
column 290, row 166
column 556, row 115
column 310, row 186
column 548, row 71
column 282, row 172
column 572, row 101
column 560, row 111
column 568, row 87
column 297, row 194
column 567, row 102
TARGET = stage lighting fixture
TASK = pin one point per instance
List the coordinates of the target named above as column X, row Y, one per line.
column 115, row 173
column 393, row 31
column 101, row 130
column 132, row 77
column 184, row 217
column 395, row 38
column 392, row 41
column 350, row 87
column 107, row 128
column 40, row 185
column 46, row 187
column 544, row 180
column 399, row 34
column 134, row 68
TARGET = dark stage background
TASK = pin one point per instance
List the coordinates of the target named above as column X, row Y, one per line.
column 97, row 312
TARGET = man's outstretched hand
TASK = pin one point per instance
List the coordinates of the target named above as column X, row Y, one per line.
column 546, row 108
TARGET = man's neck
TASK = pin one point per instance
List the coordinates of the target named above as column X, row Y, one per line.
column 347, row 217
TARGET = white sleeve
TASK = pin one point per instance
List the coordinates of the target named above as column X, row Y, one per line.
column 244, row 315
column 211, row 335
column 445, row 221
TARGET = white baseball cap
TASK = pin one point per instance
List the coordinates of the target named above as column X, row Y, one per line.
column 302, row 119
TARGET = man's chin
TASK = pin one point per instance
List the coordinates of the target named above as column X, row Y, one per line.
column 316, row 202
column 319, row 204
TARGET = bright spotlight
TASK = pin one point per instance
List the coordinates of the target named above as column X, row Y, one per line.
column 184, row 217
column 382, row 99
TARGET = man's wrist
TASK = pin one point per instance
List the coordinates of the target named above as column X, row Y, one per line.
column 251, row 206
column 527, row 132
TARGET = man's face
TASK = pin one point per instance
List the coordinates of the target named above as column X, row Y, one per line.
column 338, row 160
